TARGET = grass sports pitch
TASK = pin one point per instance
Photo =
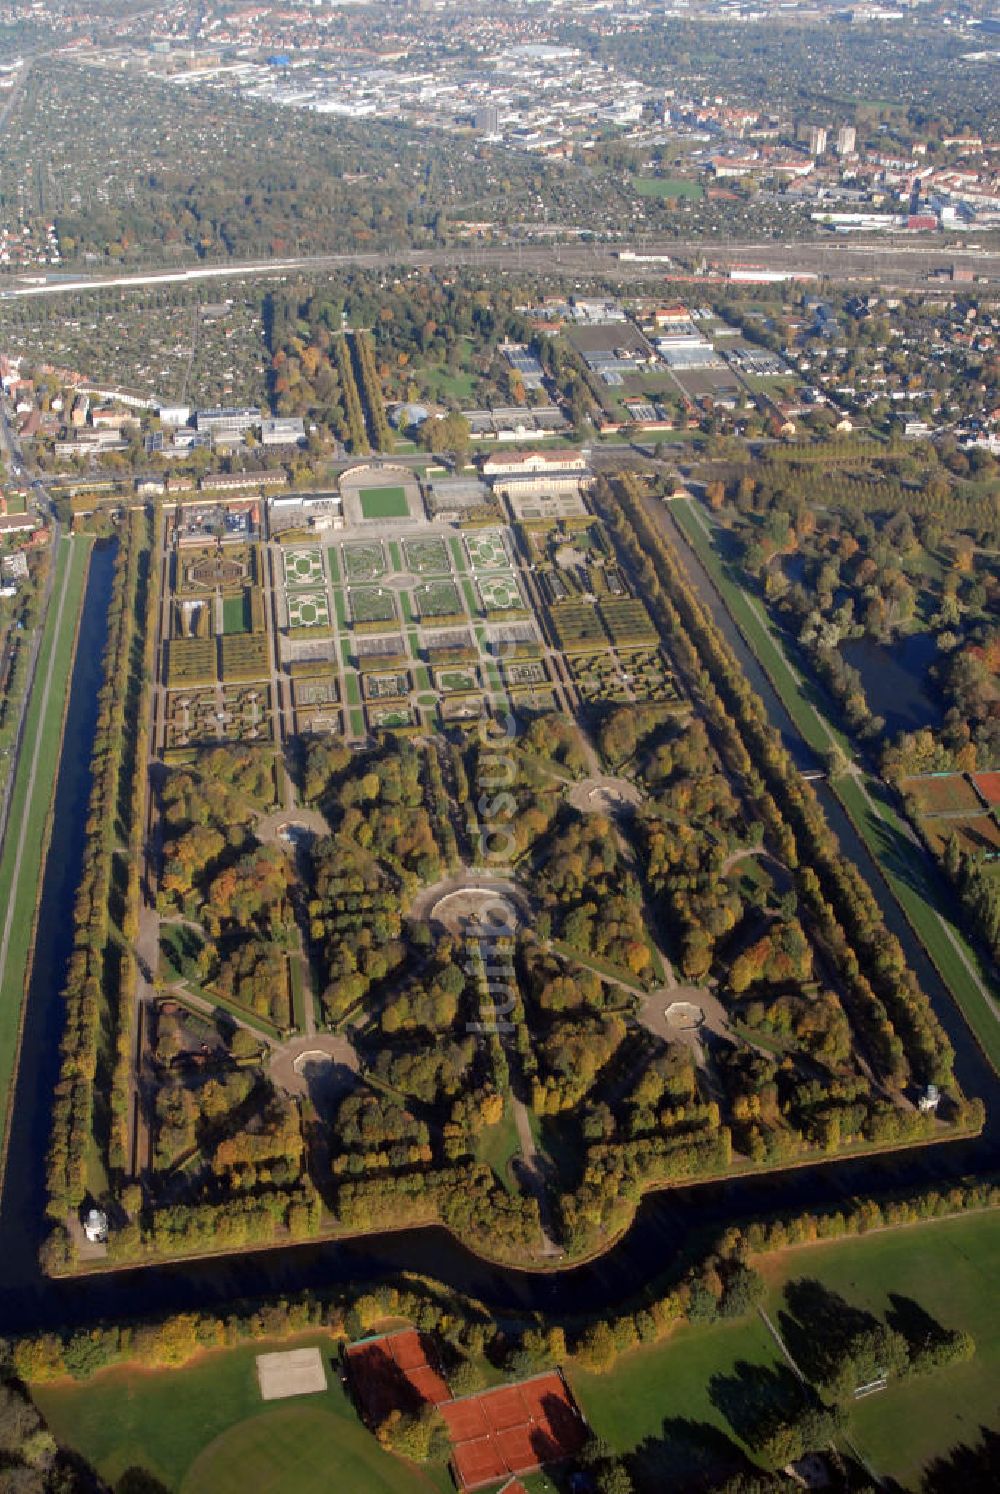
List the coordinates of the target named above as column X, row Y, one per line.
column 384, row 503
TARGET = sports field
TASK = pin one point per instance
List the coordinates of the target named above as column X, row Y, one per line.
column 942, row 793
column 384, row 503
column 206, row 1430
column 665, row 186
column 236, row 614
column 32, row 796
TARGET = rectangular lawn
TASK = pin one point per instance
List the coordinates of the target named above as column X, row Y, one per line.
column 384, row 503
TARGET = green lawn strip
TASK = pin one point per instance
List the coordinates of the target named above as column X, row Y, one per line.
column 296, row 975
column 913, row 883
column 600, row 967
column 340, row 606
column 174, row 1425
column 422, row 676
column 352, row 687
column 414, row 642
column 188, row 989
column 498, row 1144
column 331, row 559
column 357, row 723
column 752, row 622
column 57, row 646
column 471, row 600
column 407, row 606
column 948, row 1267
column 180, row 972
column 457, row 554
column 395, row 556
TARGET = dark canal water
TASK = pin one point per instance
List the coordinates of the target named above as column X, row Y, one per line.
column 667, row 1226
column 895, row 679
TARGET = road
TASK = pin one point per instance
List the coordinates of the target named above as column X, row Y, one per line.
column 891, row 263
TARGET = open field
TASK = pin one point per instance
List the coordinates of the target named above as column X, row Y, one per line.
column 384, row 503
column 206, row 1430
column 657, row 1397
column 666, row 186
column 30, row 801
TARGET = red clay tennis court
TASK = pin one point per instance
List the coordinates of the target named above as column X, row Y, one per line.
column 515, row 1429
column 988, row 785
column 395, row 1372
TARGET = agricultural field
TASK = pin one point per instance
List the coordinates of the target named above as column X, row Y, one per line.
column 371, row 604
column 303, row 567
column 364, row 560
